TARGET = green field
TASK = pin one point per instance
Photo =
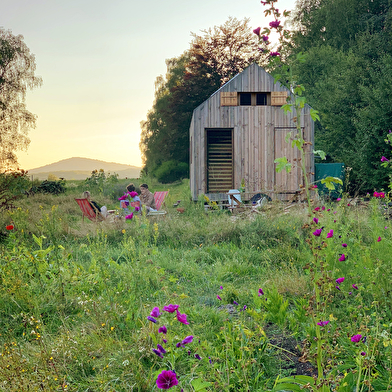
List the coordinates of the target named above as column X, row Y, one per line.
column 75, row 297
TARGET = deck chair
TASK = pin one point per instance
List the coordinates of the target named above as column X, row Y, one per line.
column 89, row 211
column 159, row 198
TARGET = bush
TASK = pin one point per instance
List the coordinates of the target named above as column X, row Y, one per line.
column 12, row 186
column 52, row 187
column 171, row 171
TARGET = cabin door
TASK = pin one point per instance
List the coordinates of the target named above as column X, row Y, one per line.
column 219, row 160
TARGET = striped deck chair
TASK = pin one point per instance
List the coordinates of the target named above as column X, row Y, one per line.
column 159, row 198
column 89, row 211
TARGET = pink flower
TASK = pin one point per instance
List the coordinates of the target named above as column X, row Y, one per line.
column 383, row 159
column 330, row 234
column 182, row 318
column 265, row 38
column 257, row 31
column 323, row 208
column 317, row 232
column 155, row 312
column 355, row 286
column 323, row 323
column 315, row 187
column 171, row 308
column 132, row 194
column 315, row 220
column 317, row 209
column 378, row 239
column 123, row 197
column 342, row 257
column 339, row 280
column 261, row 292
column 356, row 338
column 344, row 245
column 162, row 329
column 130, row 216
column 274, row 54
column 220, row 299
column 274, row 24
column 167, row 379
column 363, row 353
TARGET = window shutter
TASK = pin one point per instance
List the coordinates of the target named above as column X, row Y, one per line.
column 278, row 98
column 229, row 98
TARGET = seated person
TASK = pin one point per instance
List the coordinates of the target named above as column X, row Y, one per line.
column 95, row 206
column 147, row 198
column 131, row 198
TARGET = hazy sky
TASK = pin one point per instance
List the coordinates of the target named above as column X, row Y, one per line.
column 99, row 61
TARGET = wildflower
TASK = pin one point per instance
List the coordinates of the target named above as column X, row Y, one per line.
column 130, row 216
column 197, row 356
column 265, row 38
column 342, row 257
column 274, row 54
column 378, row 239
column 137, row 208
column 339, row 280
column 344, row 245
column 323, row 323
column 317, row 209
column 162, row 329
column 274, row 24
column 123, row 197
column 315, row 220
column 257, row 30
column 164, row 340
column 189, row 352
column 132, row 194
column 178, row 345
column 383, row 159
column 338, row 199
column 161, row 349
column 315, row 187
column 355, row 287
column 9, row 227
column 235, row 303
column 364, row 339
column 167, row 379
column 209, row 360
column 363, row 353
column 182, row 318
column 330, row 234
column 244, row 308
column 155, row 312
column 261, row 292
column 356, row 338
column 337, row 287
column 329, row 209
column 317, row 232
column 151, row 319
column 157, row 353
column 350, row 293
column 220, row 299
column 188, row 339
column 221, row 287
column 171, row 308
column 323, row 208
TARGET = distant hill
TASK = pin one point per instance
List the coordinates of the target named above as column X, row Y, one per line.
column 81, row 168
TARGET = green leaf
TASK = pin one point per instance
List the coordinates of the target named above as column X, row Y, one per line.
column 302, row 380
column 282, row 164
column 287, row 138
column 314, row 115
column 277, row 77
column 301, row 57
column 200, row 385
column 320, row 154
column 297, row 143
column 300, row 102
column 287, row 387
column 330, row 181
column 287, row 108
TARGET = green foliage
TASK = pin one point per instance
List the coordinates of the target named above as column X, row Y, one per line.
column 12, row 186
column 282, row 164
column 330, row 181
column 100, row 182
column 171, row 171
column 53, row 187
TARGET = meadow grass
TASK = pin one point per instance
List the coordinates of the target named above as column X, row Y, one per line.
column 75, row 296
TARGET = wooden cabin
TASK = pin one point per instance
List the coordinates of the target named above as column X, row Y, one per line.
column 237, row 133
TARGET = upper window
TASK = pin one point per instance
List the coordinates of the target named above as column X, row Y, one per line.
column 245, row 99
column 233, row 98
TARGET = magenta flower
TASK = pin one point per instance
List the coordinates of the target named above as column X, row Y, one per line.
column 379, row 195
column 257, row 30
column 383, row 159
column 132, row 194
column 178, row 345
column 323, row 208
column 317, row 209
column 130, row 216
column 265, row 38
column 329, row 209
column 151, row 319
column 344, row 245
column 323, row 323
column 378, row 239
column 355, row 287
column 161, row 349
column 317, row 233
column 342, row 257
column 261, row 292
column 330, row 234
column 339, row 280
column 235, row 302
column 221, row 287
column 363, row 353
column 123, row 197
column 337, row 287
column 244, row 308
column 197, row 356
column 338, row 199
column 167, row 379
column 315, row 220
column 162, row 329
column 220, row 299
column 155, row 312
column 137, row 208
column 182, row 318
column 188, row 339
column 171, row 308
column 274, row 54
column 274, row 24
column 356, row 338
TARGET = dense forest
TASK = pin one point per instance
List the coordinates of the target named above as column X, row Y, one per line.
column 347, row 77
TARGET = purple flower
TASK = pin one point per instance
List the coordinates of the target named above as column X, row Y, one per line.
column 330, row 234
column 164, row 340
column 257, row 30
column 317, row 233
column 355, row 287
column 339, row 280
column 364, row 339
column 274, row 24
column 338, row 199
column 171, row 308
column 189, row 352
column 123, row 197
column 363, row 353
column 130, row 216
column 220, row 299
column 323, row 208
column 315, row 220
column 261, row 292
column 182, row 318
column 132, row 194
column 244, row 308
column 157, row 353
column 323, row 323
column 383, row 159
column 342, row 257
column 317, row 209
column 188, row 339
column 161, row 349
column 329, row 209
column 209, row 360
column 235, row 303
column 356, row 338
column 151, row 319
column 137, row 208
column 155, row 312
column 344, row 245
column 378, row 239
column 337, row 287
column 221, row 287
column 167, row 379
column 197, row 356
column 162, row 329
column 265, row 38
column 349, row 293
column 178, row 344
column 274, row 54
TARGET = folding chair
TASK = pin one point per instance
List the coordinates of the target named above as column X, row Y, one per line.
column 89, row 211
column 159, row 198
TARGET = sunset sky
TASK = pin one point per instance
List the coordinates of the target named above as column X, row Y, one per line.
column 99, row 61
